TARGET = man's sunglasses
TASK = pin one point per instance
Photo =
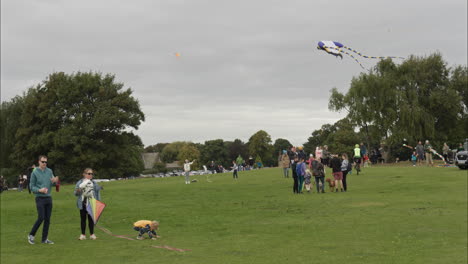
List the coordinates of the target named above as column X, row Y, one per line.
column 44, row 161
column 90, row 173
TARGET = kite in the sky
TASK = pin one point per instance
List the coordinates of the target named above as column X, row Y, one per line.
column 95, row 208
column 336, row 49
column 177, row 54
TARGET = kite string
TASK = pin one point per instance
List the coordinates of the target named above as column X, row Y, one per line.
column 107, row 231
column 347, row 53
column 365, row 56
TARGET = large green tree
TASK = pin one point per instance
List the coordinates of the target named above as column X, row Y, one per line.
column 189, row 152
column 214, row 150
column 281, row 144
column 236, row 148
column 260, row 145
column 171, row 151
column 419, row 99
column 80, row 120
column 156, row 148
column 318, row 138
column 10, row 113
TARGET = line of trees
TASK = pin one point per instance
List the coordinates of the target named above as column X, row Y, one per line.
column 86, row 119
column 259, row 147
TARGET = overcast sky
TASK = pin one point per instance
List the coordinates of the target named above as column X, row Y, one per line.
column 243, row 65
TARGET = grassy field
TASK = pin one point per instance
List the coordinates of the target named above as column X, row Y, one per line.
column 389, row 215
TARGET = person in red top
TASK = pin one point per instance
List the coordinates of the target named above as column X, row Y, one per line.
column 335, row 163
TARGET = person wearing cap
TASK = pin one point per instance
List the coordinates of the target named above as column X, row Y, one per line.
column 285, row 162
column 301, row 154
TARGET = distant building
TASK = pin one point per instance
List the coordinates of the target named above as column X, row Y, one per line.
column 149, row 159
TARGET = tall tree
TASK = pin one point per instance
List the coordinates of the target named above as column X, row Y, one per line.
column 260, row 144
column 80, row 120
column 418, row 99
column 156, row 148
column 281, row 144
column 10, row 113
column 318, row 138
column 236, row 148
column 189, row 152
column 214, row 150
column 171, row 151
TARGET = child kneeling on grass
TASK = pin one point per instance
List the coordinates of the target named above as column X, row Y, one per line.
column 146, row 226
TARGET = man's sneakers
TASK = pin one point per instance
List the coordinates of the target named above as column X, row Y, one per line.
column 47, row 241
column 31, row 239
column 82, row 237
column 92, row 237
column 140, row 237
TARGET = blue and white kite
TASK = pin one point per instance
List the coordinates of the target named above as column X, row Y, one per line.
column 336, row 49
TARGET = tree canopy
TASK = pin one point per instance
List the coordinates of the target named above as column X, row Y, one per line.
column 79, row 120
column 422, row 98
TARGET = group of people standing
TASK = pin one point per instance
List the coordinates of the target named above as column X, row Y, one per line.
column 41, row 182
column 425, row 153
column 304, row 169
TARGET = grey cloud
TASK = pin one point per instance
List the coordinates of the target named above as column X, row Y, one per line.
column 237, row 57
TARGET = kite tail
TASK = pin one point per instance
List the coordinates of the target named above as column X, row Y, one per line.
column 351, row 55
column 371, row 57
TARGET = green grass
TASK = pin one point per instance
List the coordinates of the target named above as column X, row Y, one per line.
column 389, row 215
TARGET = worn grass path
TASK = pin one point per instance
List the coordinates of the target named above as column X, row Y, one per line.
column 389, row 215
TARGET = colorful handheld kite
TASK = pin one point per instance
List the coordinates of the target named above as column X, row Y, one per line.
column 407, row 146
column 336, row 49
column 95, row 208
column 435, row 153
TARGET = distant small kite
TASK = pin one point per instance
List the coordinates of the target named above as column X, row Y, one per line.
column 336, row 49
column 177, row 54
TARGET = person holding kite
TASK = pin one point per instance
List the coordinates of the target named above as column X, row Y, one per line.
column 87, row 192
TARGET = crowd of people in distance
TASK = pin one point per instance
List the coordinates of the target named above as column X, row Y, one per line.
column 426, row 153
column 239, row 164
column 304, row 167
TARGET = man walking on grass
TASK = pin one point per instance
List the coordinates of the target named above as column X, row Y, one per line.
column 42, row 179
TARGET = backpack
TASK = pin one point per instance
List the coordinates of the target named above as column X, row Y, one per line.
column 315, row 169
column 299, row 170
column 350, row 167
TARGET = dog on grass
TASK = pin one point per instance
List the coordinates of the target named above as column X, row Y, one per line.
column 331, row 184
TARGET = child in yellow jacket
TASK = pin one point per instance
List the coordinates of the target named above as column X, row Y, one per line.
column 146, row 226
